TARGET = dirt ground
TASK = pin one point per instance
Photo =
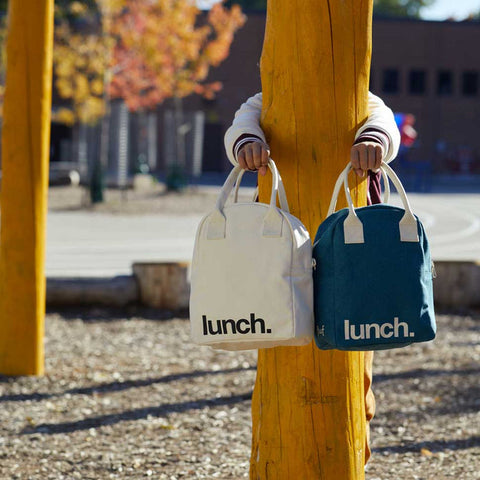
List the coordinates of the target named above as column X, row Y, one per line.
column 126, row 395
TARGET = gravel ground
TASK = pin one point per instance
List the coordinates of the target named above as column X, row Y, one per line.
column 131, row 202
column 126, row 395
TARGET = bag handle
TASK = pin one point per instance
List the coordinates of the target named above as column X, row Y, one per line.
column 353, row 227
column 282, row 194
column 338, row 185
column 237, row 187
column 273, row 220
column 235, row 178
column 386, row 187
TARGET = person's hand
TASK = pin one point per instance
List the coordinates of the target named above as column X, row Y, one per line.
column 253, row 156
column 366, row 156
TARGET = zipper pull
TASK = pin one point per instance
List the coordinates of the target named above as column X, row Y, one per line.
column 314, row 264
column 434, row 272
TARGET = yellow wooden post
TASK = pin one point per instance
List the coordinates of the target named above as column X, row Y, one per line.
column 25, row 153
column 308, row 407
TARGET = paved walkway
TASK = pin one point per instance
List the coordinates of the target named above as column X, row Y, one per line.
column 452, row 223
column 101, row 245
column 92, row 244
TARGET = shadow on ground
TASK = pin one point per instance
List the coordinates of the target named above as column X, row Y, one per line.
column 136, row 414
column 105, row 314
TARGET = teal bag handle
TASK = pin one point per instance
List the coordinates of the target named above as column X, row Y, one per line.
column 353, row 227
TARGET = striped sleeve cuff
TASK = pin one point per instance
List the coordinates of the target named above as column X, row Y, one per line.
column 243, row 139
column 374, row 135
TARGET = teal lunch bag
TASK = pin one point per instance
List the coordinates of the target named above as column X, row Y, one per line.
column 373, row 275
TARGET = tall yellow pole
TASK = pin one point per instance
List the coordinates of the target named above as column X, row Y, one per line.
column 308, row 406
column 25, row 153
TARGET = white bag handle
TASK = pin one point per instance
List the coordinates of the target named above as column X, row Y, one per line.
column 237, row 187
column 386, row 187
column 353, row 227
column 235, row 177
column 273, row 220
column 282, row 195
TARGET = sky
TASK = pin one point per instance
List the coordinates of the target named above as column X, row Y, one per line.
column 440, row 10
column 205, row 4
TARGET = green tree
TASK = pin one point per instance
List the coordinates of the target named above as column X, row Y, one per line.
column 400, row 8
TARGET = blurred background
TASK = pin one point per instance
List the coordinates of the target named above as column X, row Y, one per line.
column 146, row 89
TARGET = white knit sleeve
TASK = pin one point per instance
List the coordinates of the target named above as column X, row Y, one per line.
column 246, row 122
column 381, row 118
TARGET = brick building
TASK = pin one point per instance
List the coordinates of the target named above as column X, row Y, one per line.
column 429, row 69
column 432, row 69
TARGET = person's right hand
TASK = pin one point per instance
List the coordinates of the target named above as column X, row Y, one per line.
column 253, row 156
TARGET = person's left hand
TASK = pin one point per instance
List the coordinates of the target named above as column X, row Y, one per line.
column 366, row 156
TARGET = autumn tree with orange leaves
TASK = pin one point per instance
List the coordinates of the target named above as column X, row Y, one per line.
column 143, row 52
column 162, row 52
column 146, row 51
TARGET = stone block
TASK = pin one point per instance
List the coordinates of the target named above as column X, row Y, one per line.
column 457, row 284
column 163, row 285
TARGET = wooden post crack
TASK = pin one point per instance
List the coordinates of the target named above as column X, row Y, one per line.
column 315, row 71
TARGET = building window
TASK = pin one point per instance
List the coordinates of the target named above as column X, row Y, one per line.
column 390, row 81
column 417, row 82
column 470, row 83
column 445, row 82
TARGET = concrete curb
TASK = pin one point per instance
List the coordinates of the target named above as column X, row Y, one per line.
column 165, row 286
column 113, row 292
column 457, row 284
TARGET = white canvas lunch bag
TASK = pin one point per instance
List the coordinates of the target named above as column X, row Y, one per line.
column 251, row 278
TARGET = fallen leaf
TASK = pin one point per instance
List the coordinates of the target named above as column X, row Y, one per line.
column 425, row 452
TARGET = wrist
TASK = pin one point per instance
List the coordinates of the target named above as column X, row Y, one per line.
column 376, row 136
column 244, row 140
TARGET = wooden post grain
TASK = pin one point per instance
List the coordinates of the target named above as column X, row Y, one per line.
column 308, row 407
column 25, row 153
